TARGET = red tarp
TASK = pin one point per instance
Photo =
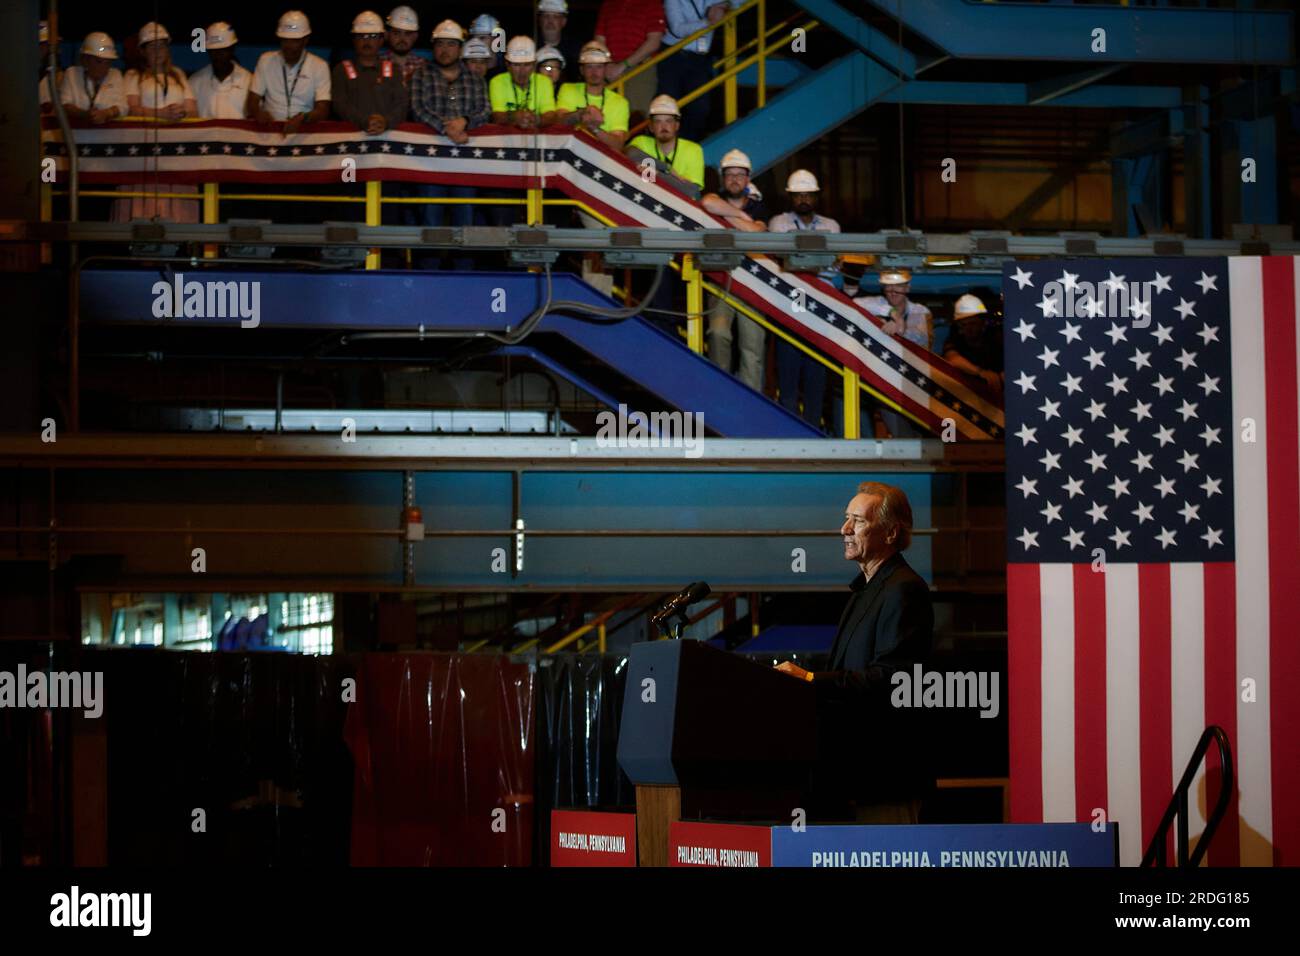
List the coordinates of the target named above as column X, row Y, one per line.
column 443, row 745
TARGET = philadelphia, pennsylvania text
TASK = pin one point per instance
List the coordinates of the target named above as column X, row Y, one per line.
column 947, row 858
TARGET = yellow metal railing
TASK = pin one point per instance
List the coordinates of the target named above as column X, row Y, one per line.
column 853, row 383
column 730, row 51
column 599, row 624
column 731, row 68
column 536, row 203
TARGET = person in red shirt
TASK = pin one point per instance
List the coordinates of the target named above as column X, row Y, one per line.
column 632, row 31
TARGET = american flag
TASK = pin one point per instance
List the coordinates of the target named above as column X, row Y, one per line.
column 1153, row 515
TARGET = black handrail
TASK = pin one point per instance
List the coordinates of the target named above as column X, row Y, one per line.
column 1157, row 849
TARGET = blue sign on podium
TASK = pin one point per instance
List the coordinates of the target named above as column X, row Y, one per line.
column 968, row 845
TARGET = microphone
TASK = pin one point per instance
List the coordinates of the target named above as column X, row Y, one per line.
column 678, row 604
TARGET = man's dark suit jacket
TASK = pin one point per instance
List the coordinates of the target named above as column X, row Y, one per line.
column 887, row 625
column 876, row 751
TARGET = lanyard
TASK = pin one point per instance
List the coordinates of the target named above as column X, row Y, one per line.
column 587, row 99
column 288, row 90
column 522, row 102
column 92, row 90
column 669, row 160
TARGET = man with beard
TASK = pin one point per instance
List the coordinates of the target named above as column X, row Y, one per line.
column 367, row 92
column 552, row 17
column 591, row 104
column 682, row 157
column 403, row 33
column 452, row 100
column 740, row 205
column 793, row 365
column 221, row 88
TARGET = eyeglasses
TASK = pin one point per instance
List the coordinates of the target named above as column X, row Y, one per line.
column 368, row 36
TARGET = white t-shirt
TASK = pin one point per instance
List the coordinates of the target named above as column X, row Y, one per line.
column 77, row 90
column 157, row 91
column 221, row 99
column 287, row 91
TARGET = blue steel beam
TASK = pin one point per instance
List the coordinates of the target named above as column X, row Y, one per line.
column 472, row 304
column 1064, row 31
column 864, row 36
column 838, row 92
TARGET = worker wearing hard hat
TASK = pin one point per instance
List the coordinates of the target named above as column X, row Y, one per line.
column 368, row 93
column 974, row 344
column 221, row 88
column 478, row 57
column 551, row 64
column 591, row 104
column 682, row 157
column 487, row 28
column 552, row 18
column 520, row 96
column 794, row 367
column 95, row 90
column 402, row 34
column 902, row 317
column 740, row 205
column 452, row 100
column 290, row 85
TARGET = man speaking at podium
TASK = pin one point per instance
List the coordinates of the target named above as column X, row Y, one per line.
column 869, row 752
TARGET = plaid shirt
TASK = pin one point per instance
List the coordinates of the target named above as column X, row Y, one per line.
column 407, row 68
column 434, row 99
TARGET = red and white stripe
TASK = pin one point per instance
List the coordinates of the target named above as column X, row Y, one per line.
column 1114, row 676
column 401, row 154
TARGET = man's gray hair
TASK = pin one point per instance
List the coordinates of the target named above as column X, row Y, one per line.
column 893, row 512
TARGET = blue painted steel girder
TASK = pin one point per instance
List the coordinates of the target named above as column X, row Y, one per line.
column 472, row 303
column 1064, row 31
column 838, row 92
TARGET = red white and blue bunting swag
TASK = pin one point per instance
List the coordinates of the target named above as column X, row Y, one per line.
column 576, row 164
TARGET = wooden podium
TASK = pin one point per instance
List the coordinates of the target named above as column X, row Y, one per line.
column 707, row 733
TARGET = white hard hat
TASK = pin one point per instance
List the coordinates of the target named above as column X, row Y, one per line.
column 220, row 36
column 552, row 6
column 593, row 51
column 802, row 181
column 664, row 105
column 368, row 22
column 448, row 30
column 100, row 45
column 549, row 52
column 292, row 25
column 153, row 31
column 476, row 48
column 736, row 159
column 404, row 18
column 967, row 306
column 521, row 50
column 483, row 25
column 895, row 276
